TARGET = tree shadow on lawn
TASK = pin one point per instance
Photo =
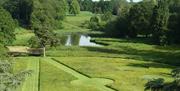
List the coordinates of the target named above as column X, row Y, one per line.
column 143, row 40
column 169, row 48
column 128, row 40
column 153, row 65
column 171, row 58
column 150, row 65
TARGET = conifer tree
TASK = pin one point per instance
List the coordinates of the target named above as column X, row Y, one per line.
column 74, row 7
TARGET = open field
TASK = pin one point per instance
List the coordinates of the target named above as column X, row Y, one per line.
column 142, row 50
column 126, row 74
column 54, row 79
column 122, row 48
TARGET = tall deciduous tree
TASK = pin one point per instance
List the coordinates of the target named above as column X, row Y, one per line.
column 7, row 27
column 174, row 22
column 86, row 5
column 20, row 10
column 23, row 10
column 43, row 35
column 41, row 26
column 139, row 18
column 160, row 22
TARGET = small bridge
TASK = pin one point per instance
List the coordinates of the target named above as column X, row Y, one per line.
column 24, row 50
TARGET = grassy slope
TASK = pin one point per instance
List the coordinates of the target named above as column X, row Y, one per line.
column 54, row 79
column 73, row 23
column 121, row 48
column 128, row 74
column 140, row 50
column 79, row 19
column 22, row 37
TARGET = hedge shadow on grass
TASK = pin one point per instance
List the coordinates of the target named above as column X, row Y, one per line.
column 150, row 65
column 171, row 58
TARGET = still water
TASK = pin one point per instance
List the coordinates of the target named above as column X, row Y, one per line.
column 77, row 40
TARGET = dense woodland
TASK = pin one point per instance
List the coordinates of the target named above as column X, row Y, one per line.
column 155, row 20
column 158, row 20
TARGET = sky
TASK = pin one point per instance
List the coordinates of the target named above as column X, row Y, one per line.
column 135, row 0
column 127, row 0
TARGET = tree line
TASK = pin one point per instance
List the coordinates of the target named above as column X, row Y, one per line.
column 158, row 20
column 103, row 6
column 30, row 12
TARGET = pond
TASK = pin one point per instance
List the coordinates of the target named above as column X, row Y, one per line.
column 77, row 40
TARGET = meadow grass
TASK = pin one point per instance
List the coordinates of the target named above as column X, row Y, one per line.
column 140, row 50
column 73, row 24
column 121, row 48
column 19, row 65
column 28, row 63
column 128, row 74
column 54, row 79
column 79, row 19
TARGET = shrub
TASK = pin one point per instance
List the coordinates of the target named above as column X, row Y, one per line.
column 94, row 19
column 3, row 52
column 34, row 42
column 160, row 85
column 93, row 24
column 117, row 28
column 106, row 16
column 11, row 81
column 7, row 27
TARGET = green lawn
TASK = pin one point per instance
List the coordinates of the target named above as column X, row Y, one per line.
column 54, row 79
column 142, row 50
column 129, row 63
column 28, row 63
column 73, row 24
column 128, row 74
column 122, row 48
column 79, row 19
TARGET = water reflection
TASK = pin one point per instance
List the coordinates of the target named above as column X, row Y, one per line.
column 77, row 40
